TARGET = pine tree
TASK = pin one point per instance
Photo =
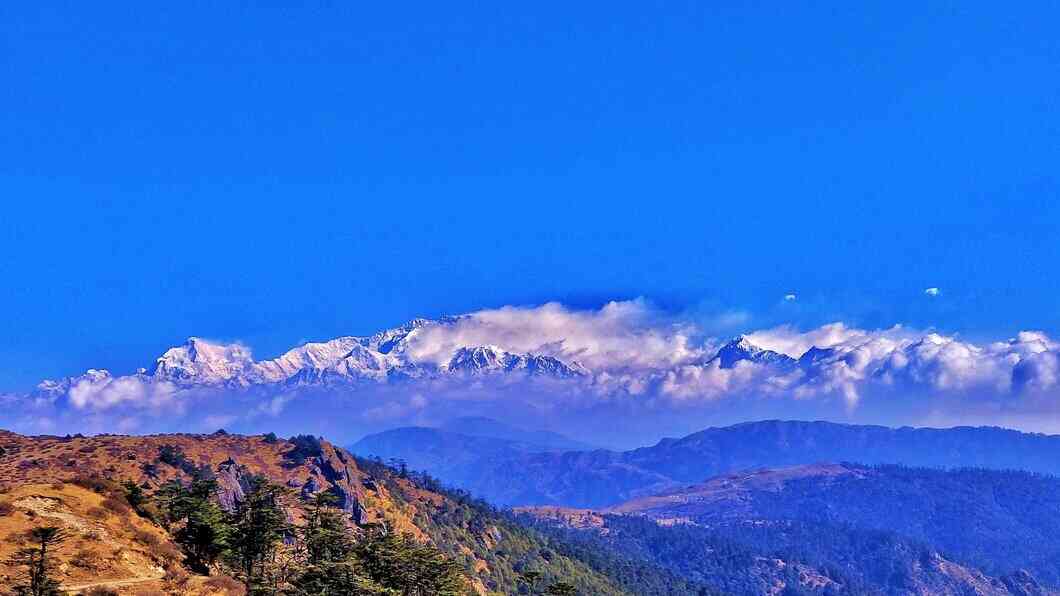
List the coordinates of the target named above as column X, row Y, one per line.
column 204, row 531
column 258, row 525
column 327, row 564
column 401, row 563
column 530, row 578
column 561, row 589
column 37, row 564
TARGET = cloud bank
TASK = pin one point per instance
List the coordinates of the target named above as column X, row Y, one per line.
column 626, row 362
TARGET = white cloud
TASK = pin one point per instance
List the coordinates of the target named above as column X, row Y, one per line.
column 637, row 357
column 621, row 334
column 790, row 297
column 932, row 291
column 107, row 392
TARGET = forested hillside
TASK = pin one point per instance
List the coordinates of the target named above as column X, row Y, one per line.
column 601, row 478
column 838, row 529
column 275, row 515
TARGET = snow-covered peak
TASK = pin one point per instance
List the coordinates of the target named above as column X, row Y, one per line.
column 487, row 359
column 203, row 362
column 478, row 359
column 381, row 357
column 311, row 356
column 386, row 341
column 816, row 355
column 50, row 389
column 740, row 348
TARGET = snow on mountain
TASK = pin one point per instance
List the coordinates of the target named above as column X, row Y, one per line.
column 201, row 362
column 50, row 390
column 377, row 358
column 741, row 349
column 491, row 359
column 816, row 356
column 313, row 355
column 393, row 340
column 831, row 360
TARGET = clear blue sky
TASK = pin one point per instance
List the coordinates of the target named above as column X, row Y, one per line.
column 276, row 174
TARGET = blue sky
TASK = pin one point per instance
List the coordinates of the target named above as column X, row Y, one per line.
column 273, row 174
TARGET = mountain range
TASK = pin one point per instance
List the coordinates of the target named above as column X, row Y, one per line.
column 383, row 356
column 386, row 356
column 735, row 510
column 838, row 529
column 601, row 478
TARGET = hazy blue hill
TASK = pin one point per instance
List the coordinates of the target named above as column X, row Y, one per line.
column 838, row 529
column 774, row 443
column 458, row 451
column 995, row 520
column 480, row 426
column 510, row 475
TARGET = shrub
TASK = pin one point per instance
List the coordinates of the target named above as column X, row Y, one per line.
column 225, row 585
column 6, row 509
column 97, row 512
column 117, row 505
column 100, row 591
column 176, row 577
column 84, row 559
column 94, row 483
column 146, row 538
column 92, row 535
column 168, row 553
column 150, row 511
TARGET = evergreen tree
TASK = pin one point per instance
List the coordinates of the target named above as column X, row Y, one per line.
column 411, row 568
column 37, row 564
column 327, row 564
column 530, row 578
column 561, row 589
column 204, row 532
column 258, row 525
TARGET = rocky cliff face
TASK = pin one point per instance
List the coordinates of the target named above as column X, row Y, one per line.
column 306, row 465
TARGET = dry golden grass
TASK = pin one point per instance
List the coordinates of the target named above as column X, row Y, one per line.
column 73, row 482
column 97, row 546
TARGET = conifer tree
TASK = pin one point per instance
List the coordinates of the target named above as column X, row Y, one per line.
column 204, row 531
column 37, row 563
column 258, row 524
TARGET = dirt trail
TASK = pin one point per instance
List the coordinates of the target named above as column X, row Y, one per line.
column 113, row 583
column 54, row 508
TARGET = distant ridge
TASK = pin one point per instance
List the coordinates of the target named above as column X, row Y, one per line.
column 459, row 446
column 481, row 426
column 601, row 478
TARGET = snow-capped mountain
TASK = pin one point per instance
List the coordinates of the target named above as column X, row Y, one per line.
column 380, row 357
column 457, row 355
column 490, row 359
column 740, row 349
column 50, row 389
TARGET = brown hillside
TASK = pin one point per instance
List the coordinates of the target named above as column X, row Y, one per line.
column 232, row 457
column 106, row 544
column 36, row 475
